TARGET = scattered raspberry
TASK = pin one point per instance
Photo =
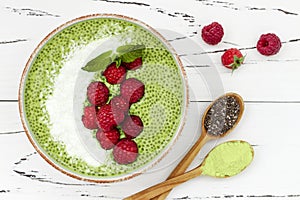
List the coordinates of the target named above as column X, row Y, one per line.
column 119, row 103
column 114, row 74
column 97, row 93
column 132, row 90
column 108, row 139
column 268, row 44
column 89, row 118
column 132, row 126
column 213, row 33
column 108, row 119
column 136, row 64
column 126, row 151
column 232, row 58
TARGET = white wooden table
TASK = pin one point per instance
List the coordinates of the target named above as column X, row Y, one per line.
column 270, row 87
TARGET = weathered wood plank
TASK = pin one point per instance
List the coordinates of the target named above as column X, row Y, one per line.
column 260, row 126
column 10, row 122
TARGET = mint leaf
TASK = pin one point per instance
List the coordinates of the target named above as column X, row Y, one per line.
column 128, row 53
column 100, row 62
column 128, row 48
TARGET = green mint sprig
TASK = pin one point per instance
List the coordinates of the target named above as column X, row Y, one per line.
column 126, row 53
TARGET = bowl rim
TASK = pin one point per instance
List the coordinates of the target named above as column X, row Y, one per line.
column 47, row 158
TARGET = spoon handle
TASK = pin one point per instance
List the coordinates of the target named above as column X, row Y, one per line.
column 185, row 163
column 167, row 185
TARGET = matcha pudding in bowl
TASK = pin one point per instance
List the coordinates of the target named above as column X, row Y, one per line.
column 103, row 98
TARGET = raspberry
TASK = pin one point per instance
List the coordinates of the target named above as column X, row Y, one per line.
column 232, row 58
column 119, row 103
column 108, row 139
column 132, row 126
column 114, row 74
column 136, row 64
column 89, row 118
column 97, row 93
column 213, row 33
column 132, row 90
column 108, row 119
column 125, row 152
column 268, row 44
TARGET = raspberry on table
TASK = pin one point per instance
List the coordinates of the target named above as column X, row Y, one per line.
column 132, row 126
column 107, row 118
column 268, row 44
column 126, row 151
column 232, row 58
column 132, row 90
column 136, row 64
column 89, row 118
column 213, row 33
column 114, row 74
column 108, row 139
column 97, row 93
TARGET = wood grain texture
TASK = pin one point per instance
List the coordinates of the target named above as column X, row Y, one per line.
column 269, row 85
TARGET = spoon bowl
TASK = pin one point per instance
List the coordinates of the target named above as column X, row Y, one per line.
column 240, row 102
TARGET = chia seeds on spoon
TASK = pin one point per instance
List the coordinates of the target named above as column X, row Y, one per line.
column 222, row 115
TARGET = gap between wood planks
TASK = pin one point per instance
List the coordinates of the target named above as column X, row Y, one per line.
column 125, row 2
column 223, row 50
column 233, row 6
column 241, row 196
column 191, row 101
column 13, row 41
column 253, row 102
column 31, row 12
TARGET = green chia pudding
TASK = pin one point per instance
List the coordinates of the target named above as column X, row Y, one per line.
column 50, row 94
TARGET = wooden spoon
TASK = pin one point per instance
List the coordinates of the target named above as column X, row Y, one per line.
column 233, row 160
column 205, row 137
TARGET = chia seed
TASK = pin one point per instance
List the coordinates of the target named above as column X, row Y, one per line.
column 222, row 115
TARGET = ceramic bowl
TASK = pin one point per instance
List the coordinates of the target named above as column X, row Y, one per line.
column 52, row 97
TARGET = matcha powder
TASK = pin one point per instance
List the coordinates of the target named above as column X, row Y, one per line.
column 228, row 159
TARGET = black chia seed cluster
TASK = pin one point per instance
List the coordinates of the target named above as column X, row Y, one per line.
column 222, row 115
